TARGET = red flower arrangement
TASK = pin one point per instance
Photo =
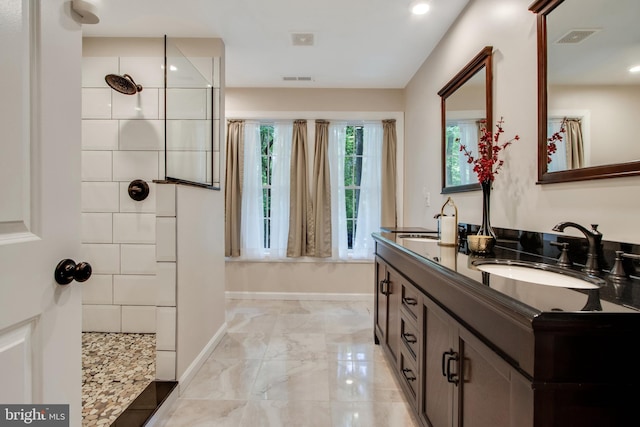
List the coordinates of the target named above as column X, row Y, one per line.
column 552, row 147
column 488, row 163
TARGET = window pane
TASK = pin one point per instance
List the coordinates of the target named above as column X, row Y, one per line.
column 266, row 144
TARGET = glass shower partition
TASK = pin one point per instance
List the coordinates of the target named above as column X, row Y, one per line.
column 192, row 118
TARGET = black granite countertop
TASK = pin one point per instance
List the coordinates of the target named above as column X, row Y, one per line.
column 610, row 298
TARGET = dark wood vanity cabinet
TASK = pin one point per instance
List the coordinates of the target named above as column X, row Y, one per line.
column 467, row 355
column 450, row 378
column 466, row 383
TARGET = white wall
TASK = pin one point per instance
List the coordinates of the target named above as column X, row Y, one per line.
column 517, row 202
column 308, row 276
column 304, row 277
column 201, row 274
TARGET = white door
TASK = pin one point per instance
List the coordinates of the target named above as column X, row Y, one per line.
column 40, row 111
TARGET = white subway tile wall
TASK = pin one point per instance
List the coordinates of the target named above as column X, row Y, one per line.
column 166, row 328
column 138, row 259
column 100, row 197
column 98, row 289
column 101, row 318
column 100, row 135
column 138, row 319
column 142, row 105
column 130, row 165
column 97, row 228
column 166, row 200
column 104, row 258
column 188, row 165
column 165, row 365
column 122, row 137
column 96, row 166
column 96, row 103
column 188, row 134
column 131, row 245
column 166, row 239
column 167, row 271
column 134, row 228
column 186, row 104
column 166, row 283
column 142, row 135
column 134, row 290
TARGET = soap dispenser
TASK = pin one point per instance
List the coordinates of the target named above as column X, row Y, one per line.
column 449, row 224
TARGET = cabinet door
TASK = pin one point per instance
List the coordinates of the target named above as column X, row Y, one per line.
column 380, row 313
column 394, row 300
column 436, row 407
column 490, row 391
column 387, row 307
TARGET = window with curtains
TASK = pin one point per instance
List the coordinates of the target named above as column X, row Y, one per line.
column 352, row 187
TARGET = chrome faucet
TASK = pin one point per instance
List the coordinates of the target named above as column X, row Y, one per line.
column 594, row 238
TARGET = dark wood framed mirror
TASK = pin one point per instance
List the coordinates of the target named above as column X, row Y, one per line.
column 586, row 49
column 467, row 105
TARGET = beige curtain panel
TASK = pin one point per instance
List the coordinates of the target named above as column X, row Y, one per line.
column 388, row 217
column 575, row 145
column 299, row 242
column 322, row 192
column 233, row 187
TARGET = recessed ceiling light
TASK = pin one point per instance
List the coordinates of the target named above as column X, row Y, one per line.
column 635, row 69
column 419, row 7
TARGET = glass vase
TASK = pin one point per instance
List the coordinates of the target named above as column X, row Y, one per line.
column 485, row 227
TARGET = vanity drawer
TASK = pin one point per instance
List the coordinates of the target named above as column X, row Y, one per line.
column 409, row 336
column 409, row 377
column 410, row 300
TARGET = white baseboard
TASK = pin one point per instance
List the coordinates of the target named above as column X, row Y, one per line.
column 186, row 378
column 298, row 296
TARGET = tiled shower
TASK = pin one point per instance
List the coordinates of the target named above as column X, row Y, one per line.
column 123, row 140
column 130, row 244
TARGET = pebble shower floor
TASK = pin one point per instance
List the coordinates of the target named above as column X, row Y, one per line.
column 115, row 369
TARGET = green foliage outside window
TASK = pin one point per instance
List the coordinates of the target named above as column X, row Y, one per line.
column 452, row 157
column 266, row 150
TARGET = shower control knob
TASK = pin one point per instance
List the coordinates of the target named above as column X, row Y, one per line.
column 138, row 190
column 67, row 271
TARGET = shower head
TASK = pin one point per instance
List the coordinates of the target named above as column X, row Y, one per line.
column 123, row 84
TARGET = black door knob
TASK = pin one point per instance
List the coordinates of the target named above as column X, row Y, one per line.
column 67, row 271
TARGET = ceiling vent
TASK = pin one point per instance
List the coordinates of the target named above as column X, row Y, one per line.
column 297, row 79
column 302, row 39
column 576, row 36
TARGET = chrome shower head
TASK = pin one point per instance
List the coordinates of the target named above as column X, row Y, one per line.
column 123, row 84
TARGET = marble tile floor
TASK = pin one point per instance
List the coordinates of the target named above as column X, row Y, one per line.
column 116, row 368
column 294, row 364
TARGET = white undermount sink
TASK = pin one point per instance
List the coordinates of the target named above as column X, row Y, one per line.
column 415, row 237
column 542, row 274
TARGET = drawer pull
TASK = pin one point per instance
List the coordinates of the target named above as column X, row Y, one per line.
column 410, row 301
column 409, row 338
column 447, row 358
column 384, row 287
column 408, row 374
